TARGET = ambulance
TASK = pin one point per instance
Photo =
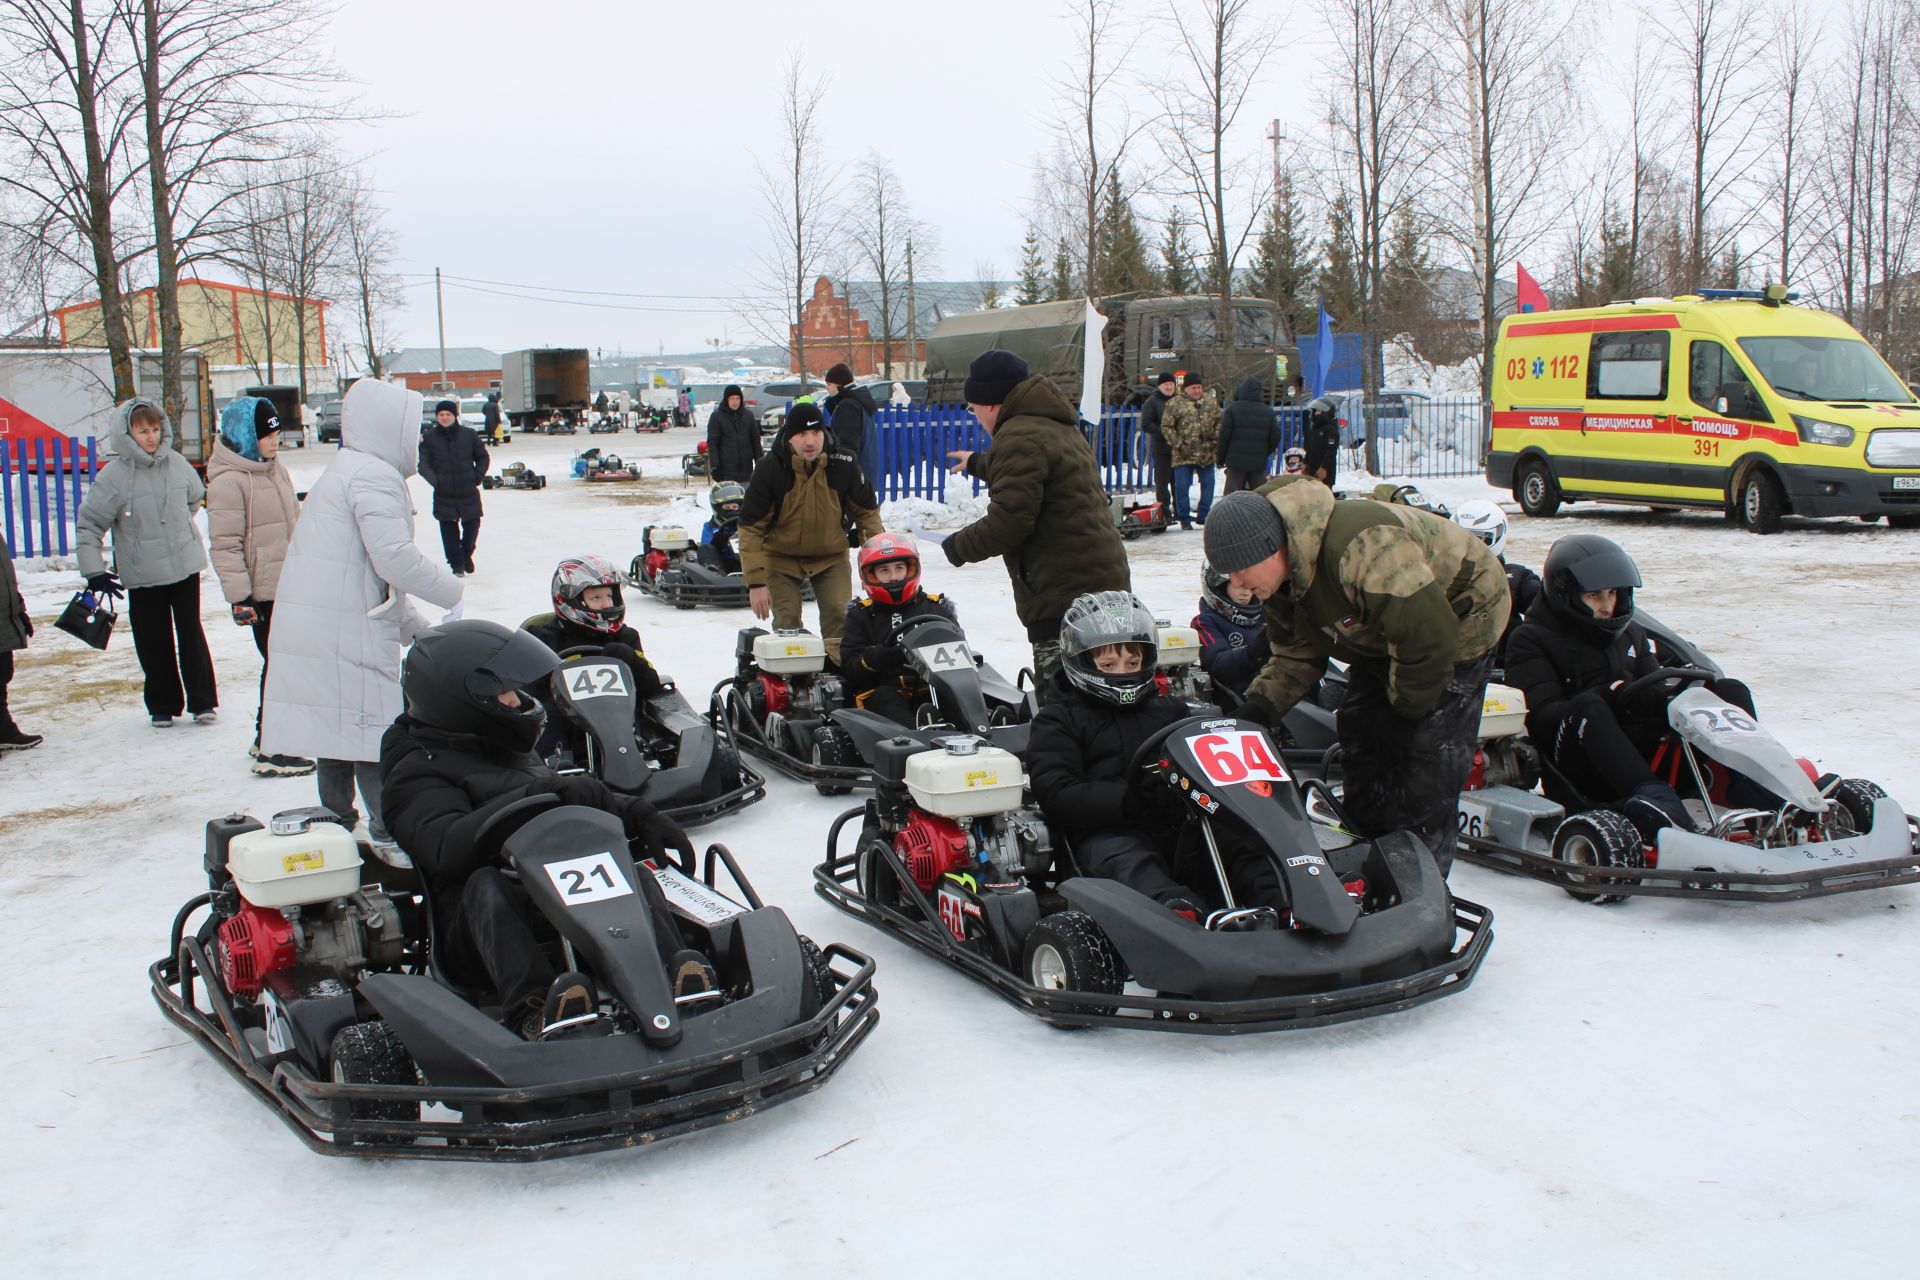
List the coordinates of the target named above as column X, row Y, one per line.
column 1728, row 399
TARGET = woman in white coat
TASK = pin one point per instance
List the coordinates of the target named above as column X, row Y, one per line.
column 343, row 616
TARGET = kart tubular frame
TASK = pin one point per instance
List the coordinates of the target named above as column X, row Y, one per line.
column 631, row 1109
column 746, row 736
column 836, row 881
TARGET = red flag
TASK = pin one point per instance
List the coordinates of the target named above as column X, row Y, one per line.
column 1532, row 298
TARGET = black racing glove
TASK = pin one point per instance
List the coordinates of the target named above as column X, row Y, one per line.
column 654, row 831
column 624, row 652
column 1151, row 802
column 882, row 658
column 1260, row 648
column 579, row 789
column 105, row 584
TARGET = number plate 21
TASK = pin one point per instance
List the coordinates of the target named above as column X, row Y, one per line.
column 594, row 878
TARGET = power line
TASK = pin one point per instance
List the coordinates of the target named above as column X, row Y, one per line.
column 600, row 306
column 592, row 293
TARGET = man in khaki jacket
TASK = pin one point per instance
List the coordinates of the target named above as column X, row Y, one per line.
column 806, row 505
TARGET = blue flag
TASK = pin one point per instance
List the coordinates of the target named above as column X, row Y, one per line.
column 1323, row 357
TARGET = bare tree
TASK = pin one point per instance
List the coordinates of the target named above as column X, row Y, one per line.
column 1504, row 101
column 878, row 224
column 67, row 106
column 1796, row 40
column 987, row 281
column 797, row 190
column 1710, row 46
column 1093, row 127
column 1220, row 49
column 368, row 279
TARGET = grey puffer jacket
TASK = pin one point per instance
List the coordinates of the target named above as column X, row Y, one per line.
column 341, row 613
column 146, row 501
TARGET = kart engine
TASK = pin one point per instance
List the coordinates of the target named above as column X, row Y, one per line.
column 345, row 937
column 1014, row 844
column 808, row 698
column 1511, row 762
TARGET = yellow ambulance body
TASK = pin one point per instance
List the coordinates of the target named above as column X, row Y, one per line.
column 1733, row 399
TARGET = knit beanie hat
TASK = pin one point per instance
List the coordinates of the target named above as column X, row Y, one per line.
column 266, row 418
column 804, row 416
column 992, row 375
column 448, row 406
column 1165, row 376
column 1243, row 529
column 1193, row 380
column 840, row 376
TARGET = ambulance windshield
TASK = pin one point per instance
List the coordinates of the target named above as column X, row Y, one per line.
column 1825, row 370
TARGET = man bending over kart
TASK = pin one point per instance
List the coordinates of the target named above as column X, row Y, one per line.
column 722, row 528
column 588, row 609
column 1105, row 703
column 794, row 521
column 872, row 662
column 460, row 753
column 1574, row 657
column 1414, row 604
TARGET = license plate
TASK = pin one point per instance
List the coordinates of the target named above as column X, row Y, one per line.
column 1906, row 482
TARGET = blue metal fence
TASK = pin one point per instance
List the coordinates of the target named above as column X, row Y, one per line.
column 41, row 485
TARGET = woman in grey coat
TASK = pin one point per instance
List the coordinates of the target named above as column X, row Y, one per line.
column 146, row 498
column 342, row 613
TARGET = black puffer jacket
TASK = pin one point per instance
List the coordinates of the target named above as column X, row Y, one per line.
column 847, row 416
column 452, row 460
column 733, row 440
column 1249, row 431
column 560, row 635
column 871, row 625
column 438, row 790
column 1078, row 755
column 1151, row 414
column 1551, row 657
column 1322, row 444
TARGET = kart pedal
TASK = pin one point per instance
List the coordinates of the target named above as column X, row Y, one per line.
column 1243, row 920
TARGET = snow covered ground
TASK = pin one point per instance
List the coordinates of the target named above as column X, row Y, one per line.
column 1672, row 1088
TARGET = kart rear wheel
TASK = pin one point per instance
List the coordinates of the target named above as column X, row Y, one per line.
column 1067, row 951
column 817, row 970
column 1855, row 796
column 371, row 1053
column 1596, row 838
column 833, row 749
column 1534, row 489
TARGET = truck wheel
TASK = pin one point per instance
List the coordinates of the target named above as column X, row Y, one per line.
column 1761, row 501
column 1067, row 951
column 1535, row 490
column 371, row 1053
column 1596, row 838
column 1855, row 796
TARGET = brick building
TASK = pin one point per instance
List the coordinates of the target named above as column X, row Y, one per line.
column 843, row 324
column 469, row 369
column 231, row 324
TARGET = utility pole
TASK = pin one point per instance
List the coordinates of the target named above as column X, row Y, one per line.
column 1276, row 138
column 440, row 315
column 913, row 314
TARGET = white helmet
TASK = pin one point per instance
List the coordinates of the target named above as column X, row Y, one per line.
column 1485, row 521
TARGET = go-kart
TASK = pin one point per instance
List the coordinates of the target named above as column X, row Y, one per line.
column 696, row 463
column 949, row 859
column 1135, row 514
column 679, row 761
column 778, row 704
column 678, row 568
column 1307, row 733
column 604, row 425
column 967, row 696
column 515, row 475
column 1827, row 834
column 592, row 465
column 325, row 998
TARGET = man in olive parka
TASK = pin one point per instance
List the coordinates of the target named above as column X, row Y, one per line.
column 1414, row 604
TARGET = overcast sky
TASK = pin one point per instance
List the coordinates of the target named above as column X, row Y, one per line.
column 609, row 146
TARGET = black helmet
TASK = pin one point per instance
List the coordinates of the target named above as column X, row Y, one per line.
column 455, row 670
column 724, row 500
column 1213, row 587
column 1320, row 412
column 1583, row 562
column 1102, row 618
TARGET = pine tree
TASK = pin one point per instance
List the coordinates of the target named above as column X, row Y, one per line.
column 1339, row 275
column 1282, row 269
column 1406, row 302
column 1060, row 288
column 1176, row 257
column 1033, row 270
column 1123, row 266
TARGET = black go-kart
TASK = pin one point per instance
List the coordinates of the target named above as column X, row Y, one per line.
column 659, row 748
column 515, row 475
column 967, row 696
column 685, row 572
column 779, row 703
column 696, row 463
column 325, row 998
column 949, row 859
column 604, row 426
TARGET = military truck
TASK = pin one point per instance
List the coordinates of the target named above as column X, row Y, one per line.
column 545, row 384
column 1144, row 336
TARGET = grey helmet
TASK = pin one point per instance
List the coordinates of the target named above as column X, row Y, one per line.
column 1102, row 618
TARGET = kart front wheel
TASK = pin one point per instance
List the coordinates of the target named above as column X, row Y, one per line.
column 1597, row 838
column 371, row 1053
column 832, row 749
column 1067, row 951
column 1856, row 796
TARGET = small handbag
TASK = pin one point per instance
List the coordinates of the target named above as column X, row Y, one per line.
column 88, row 619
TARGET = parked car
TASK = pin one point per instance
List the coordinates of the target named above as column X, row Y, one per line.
column 1385, row 417
column 326, row 422
column 473, row 412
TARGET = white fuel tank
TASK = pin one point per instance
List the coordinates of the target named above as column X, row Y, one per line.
column 668, row 537
column 300, row 863
column 1503, row 713
column 790, row 653
column 965, row 779
column 1179, row 647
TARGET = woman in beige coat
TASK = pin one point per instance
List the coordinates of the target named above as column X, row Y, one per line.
column 251, row 511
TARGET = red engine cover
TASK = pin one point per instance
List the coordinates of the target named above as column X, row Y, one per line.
column 776, row 691
column 255, row 942
column 930, row 846
column 1477, row 776
column 654, row 563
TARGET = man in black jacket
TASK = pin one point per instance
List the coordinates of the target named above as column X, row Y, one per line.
column 850, row 412
column 1249, row 433
column 1322, row 441
column 460, row 754
column 733, row 439
column 452, row 460
column 1166, row 386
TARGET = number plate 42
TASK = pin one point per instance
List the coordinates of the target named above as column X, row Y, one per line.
column 1236, row 756
column 595, row 680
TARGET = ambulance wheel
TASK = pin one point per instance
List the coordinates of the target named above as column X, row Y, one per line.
column 1067, row 951
column 1596, row 838
column 1761, row 501
column 371, row 1053
column 1534, row 489
column 1855, row 796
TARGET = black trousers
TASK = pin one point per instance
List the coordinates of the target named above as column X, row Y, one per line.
column 1138, row 861
column 1238, row 480
column 6, row 678
column 262, row 626
column 1405, row 774
column 172, row 648
column 458, row 539
column 887, row 700
column 1163, row 476
column 1603, row 753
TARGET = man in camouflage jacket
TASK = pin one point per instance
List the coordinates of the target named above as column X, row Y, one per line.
column 1412, row 603
column 1192, row 429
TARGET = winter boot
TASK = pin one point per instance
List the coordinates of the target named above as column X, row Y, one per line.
column 1185, row 908
column 208, row 716
column 276, row 766
column 16, row 739
column 1653, row 806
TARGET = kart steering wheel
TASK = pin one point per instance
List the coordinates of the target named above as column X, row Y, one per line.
column 1686, row 675
column 582, row 651
column 494, row 831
